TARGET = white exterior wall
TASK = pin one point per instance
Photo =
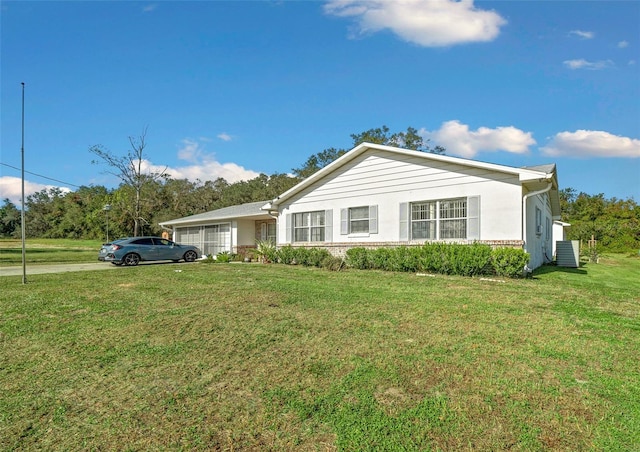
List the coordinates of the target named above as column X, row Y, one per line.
column 385, row 179
column 539, row 244
column 246, row 235
column 559, row 233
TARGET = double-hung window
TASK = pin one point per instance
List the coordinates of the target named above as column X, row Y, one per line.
column 309, row 226
column 444, row 219
column 453, row 219
column 359, row 220
column 424, row 220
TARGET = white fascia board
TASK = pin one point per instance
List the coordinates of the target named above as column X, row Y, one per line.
column 526, row 175
column 209, row 220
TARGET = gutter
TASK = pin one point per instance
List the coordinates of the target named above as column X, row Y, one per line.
column 273, row 213
column 524, row 213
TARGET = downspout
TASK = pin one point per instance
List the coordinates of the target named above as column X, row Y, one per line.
column 524, row 216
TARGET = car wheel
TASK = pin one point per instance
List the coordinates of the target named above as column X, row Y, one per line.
column 131, row 259
column 190, row 256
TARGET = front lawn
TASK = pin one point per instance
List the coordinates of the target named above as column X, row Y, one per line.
column 48, row 251
column 275, row 357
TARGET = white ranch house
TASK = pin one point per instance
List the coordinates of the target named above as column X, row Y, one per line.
column 377, row 195
column 229, row 229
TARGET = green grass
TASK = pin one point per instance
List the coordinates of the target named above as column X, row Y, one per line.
column 273, row 357
column 48, row 251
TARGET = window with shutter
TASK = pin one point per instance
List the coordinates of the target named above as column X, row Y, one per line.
column 457, row 218
column 308, row 226
column 359, row 220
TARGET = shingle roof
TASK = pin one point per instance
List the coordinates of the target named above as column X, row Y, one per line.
column 251, row 209
column 549, row 168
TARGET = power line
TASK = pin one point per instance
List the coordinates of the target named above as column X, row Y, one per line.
column 40, row 175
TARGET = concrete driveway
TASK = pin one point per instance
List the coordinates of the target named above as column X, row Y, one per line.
column 57, row 268
column 65, row 268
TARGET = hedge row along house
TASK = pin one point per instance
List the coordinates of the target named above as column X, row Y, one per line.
column 376, row 195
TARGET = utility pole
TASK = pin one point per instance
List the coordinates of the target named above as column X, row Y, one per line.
column 24, row 254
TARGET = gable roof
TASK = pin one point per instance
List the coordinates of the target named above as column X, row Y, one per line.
column 249, row 210
column 535, row 176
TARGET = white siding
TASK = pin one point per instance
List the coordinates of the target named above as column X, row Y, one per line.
column 386, row 179
column 539, row 243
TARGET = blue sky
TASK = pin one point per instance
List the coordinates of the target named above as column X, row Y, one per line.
column 234, row 89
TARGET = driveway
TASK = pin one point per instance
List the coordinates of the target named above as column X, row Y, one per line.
column 55, row 268
column 65, row 268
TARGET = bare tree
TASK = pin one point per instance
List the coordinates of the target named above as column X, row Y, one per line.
column 128, row 168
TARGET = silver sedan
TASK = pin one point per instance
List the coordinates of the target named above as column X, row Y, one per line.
column 133, row 250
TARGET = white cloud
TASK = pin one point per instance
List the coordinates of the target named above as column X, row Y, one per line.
column 149, row 8
column 11, row 188
column 459, row 140
column 591, row 143
column 211, row 170
column 582, row 34
column 428, row 23
column 204, row 165
column 590, row 65
column 190, row 151
column 623, row 44
column 225, row 136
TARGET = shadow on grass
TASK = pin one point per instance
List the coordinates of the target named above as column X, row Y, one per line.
column 551, row 268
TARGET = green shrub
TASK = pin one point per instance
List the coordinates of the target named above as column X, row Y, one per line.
column 444, row 258
column 286, row 255
column 266, row 251
column 470, row 260
column 315, row 256
column 381, row 259
column 358, row 258
column 224, row 257
column 400, row 259
column 302, row 256
column 309, row 257
column 434, row 258
column 509, row 262
column 333, row 263
column 208, row 259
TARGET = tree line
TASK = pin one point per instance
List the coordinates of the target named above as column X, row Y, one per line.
column 143, row 200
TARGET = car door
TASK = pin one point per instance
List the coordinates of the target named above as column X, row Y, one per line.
column 145, row 248
column 166, row 249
